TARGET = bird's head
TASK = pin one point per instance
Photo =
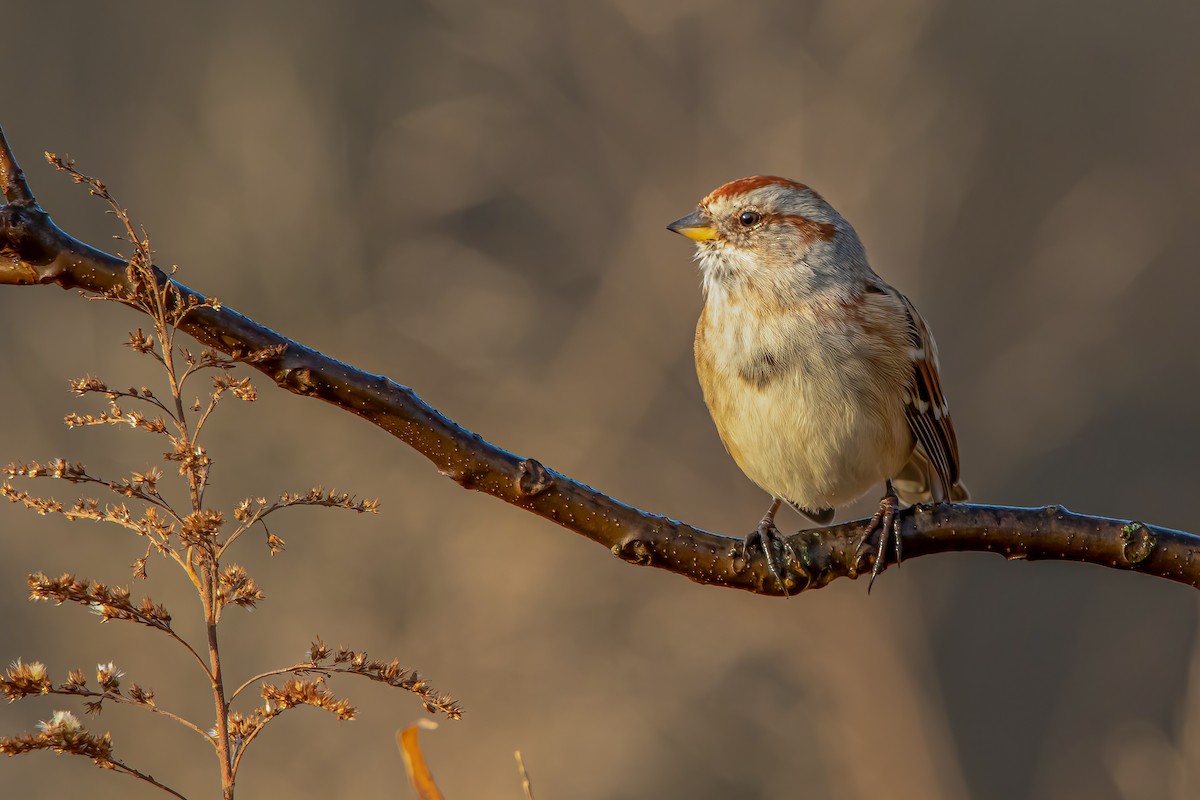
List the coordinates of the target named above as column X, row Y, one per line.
column 768, row 229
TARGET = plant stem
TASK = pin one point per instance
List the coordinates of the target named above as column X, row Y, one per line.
column 218, row 684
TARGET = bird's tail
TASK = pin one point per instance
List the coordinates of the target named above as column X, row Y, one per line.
column 918, row 482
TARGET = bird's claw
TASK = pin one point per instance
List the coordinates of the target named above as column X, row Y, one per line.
column 885, row 525
column 775, row 548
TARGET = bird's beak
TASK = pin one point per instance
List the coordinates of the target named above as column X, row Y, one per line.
column 696, row 226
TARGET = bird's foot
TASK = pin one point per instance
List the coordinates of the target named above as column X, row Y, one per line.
column 884, row 525
column 775, row 549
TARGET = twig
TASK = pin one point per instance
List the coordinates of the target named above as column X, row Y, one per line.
column 116, row 698
column 39, row 252
column 123, row 768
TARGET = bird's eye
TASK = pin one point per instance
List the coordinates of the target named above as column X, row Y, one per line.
column 748, row 218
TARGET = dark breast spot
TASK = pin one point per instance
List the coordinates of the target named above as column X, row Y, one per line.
column 761, row 371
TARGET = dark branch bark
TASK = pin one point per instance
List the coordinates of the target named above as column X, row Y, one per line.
column 33, row 250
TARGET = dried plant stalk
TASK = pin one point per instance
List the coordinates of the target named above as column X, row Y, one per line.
column 193, row 535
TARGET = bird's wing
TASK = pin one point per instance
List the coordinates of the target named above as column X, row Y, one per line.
column 925, row 405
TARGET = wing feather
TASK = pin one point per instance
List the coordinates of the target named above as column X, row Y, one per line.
column 926, row 408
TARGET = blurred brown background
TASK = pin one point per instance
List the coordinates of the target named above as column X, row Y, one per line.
column 470, row 198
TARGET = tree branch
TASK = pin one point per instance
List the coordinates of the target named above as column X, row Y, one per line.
column 33, row 250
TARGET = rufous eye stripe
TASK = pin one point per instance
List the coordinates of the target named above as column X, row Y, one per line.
column 810, row 230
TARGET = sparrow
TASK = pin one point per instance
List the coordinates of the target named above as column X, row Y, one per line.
column 821, row 379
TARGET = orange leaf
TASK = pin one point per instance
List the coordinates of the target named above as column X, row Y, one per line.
column 414, row 761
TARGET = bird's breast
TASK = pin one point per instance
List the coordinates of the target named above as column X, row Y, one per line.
column 799, row 400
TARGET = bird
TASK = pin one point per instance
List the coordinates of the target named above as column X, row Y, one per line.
column 821, row 378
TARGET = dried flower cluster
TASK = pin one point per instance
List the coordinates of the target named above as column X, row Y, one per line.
column 63, row 733
column 195, row 536
column 357, row 663
column 106, row 601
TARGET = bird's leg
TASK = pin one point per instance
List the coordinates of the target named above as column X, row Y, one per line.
column 886, row 525
column 768, row 537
